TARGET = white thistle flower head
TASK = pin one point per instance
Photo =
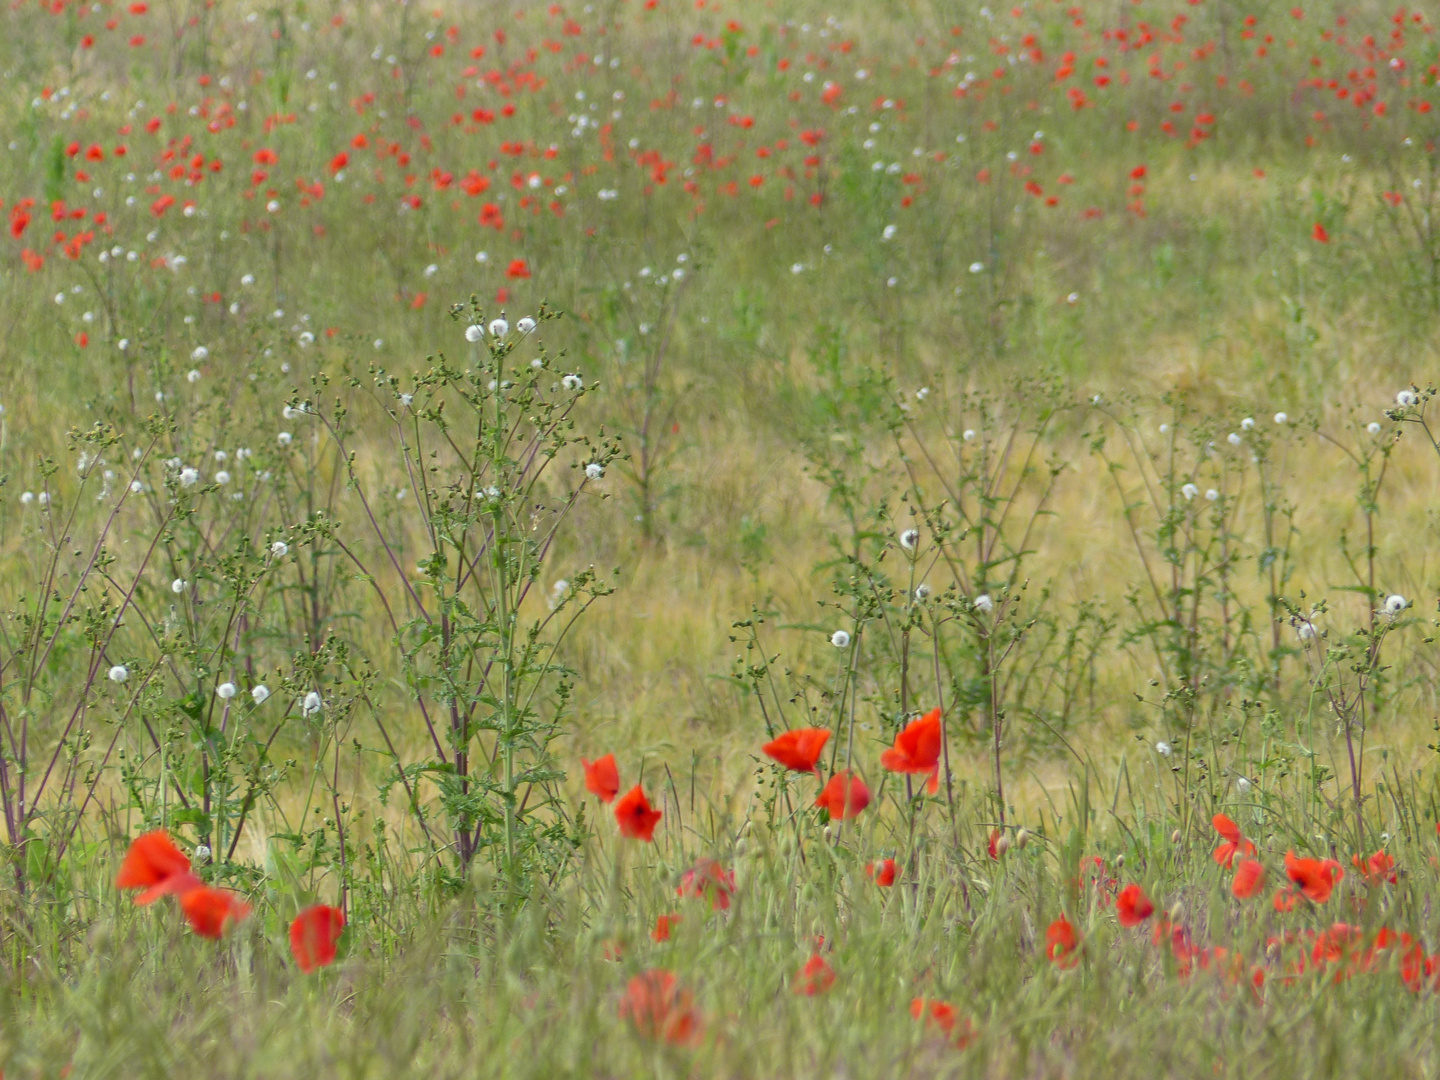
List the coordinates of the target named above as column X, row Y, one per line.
column 312, row 703
column 1405, row 398
column 474, row 333
column 202, row 853
column 222, row 477
column 1373, row 428
column 1189, row 491
column 27, row 498
column 200, row 353
column 840, row 639
column 1164, row 429
column 284, row 438
column 1162, row 748
column 193, row 376
column 279, row 549
column 984, row 603
column 1306, row 631
column 1281, row 418
column 1212, row 494
column 888, row 233
column 573, row 382
column 922, row 592
column 968, row 434
column 1394, row 604
column 910, row 539
column 178, row 586
column 976, row 267
column 260, row 693
column 594, row 471
column 406, row 400
column 525, row 325
column 136, row 487
column 1248, row 424
column 189, row 477
column 225, row 691
column 1233, row 439
column 1242, row 785
column 499, row 328
column 119, row 673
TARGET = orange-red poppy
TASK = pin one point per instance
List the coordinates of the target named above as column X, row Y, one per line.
column 799, row 749
column 844, row 796
column 1235, row 842
column 942, row 1015
column 602, row 778
column 1249, row 879
column 314, row 934
column 636, row 817
column 663, row 925
column 1285, row 899
column 708, row 879
column 815, row 977
column 1062, row 943
column 211, row 912
column 1132, row 906
column 1315, row 877
column 659, row 1009
column 1378, row 868
column 917, row 749
column 157, row 866
column 883, row 872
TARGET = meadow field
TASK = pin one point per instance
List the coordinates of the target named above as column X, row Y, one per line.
column 718, row 538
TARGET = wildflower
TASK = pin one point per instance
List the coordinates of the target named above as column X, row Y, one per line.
column 909, row 539
column 707, row 879
column 202, row 853
column 572, row 382
column 882, row 873
column 1162, row 748
column 499, row 328
column 917, row 749
column 200, row 353
column 984, row 603
column 659, row 1009
column 594, row 471
column 313, row 936
column 119, row 673
column 192, row 376
column 815, row 977
column 312, row 703
column 798, row 750
column 1062, row 943
column 1248, row 424
column 968, row 435
column 1373, row 428
column 635, row 816
column 1315, row 877
column 189, row 477
column 260, row 693
column 525, row 325
column 153, row 863
column 1281, row 418
column 178, row 586
column 211, row 912
column 1394, row 604
column 663, row 925
column 942, row 1015
column 1132, row 906
column 1285, row 899
column 840, row 639
column 976, row 267
column 1249, row 879
column 1378, row 868
column 602, row 778
column 1242, row 785
column 844, row 796
column 279, row 549
column 1405, row 398
column 1189, row 491
column 473, row 333
column 225, row 691
column 284, row 438
column 1235, row 842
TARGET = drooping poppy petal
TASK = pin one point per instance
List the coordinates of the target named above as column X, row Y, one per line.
column 799, row 749
column 917, row 748
column 883, row 872
column 152, row 860
column 1227, row 828
column 314, row 934
column 636, row 817
column 1062, row 943
column 602, row 778
column 1235, row 842
column 1249, row 879
column 211, row 912
column 815, row 977
column 659, row 1009
column 1132, row 906
column 708, row 879
column 844, row 796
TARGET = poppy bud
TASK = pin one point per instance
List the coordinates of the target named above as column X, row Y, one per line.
column 1002, row 845
column 1119, row 861
column 1022, row 838
column 1175, row 838
column 1177, row 912
column 741, row 847
column 829, row 833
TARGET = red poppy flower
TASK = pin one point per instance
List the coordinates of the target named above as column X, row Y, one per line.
column 636, row 817
column 313, row 935
column 602, row 778
column 1062, row 943
column 1249, row 879
column 156, row 865
column 1285, row 899
column 942, row 1014
column 917, row 749
column 518, row 268
column 1315, row 877
column 663, row 925
column 815, row 977
column 659, row 1009
column 799, row 749
column 707, row 878
column 992, row 847
column 211, row 912
column 1319, row 234
column 844, row 796
column 1132, row 906
column 1379, row 868
column 883, row 872
column 1235, row 842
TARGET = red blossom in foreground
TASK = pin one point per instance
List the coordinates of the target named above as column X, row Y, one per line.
column 212, row 912
column 602, row 778
column 663, row 925
column 815, row 977
column 798, row 750
column 844, row 796
column 1319, row 234
column 1062, row 943
column 1132, row 906
column 518, row 268
column 942, row 1015
column 1235, row 842
column 917, row 749
column 1249, row 879
column 157, row 866
column 636, row 817
column 313, row 936
column 882, row 873
column 659, row 1009
column 1378, row 868
column 708, row 879
column 1315, row 877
